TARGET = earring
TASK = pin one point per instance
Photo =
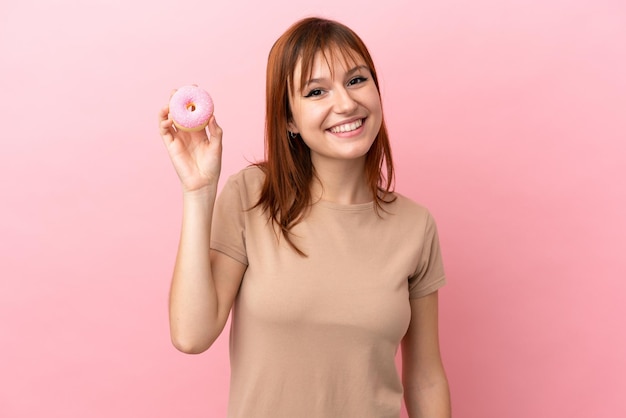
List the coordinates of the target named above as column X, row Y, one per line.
column 292, row 135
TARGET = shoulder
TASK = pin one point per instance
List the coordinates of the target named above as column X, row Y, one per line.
column 242, row 189
column 247, row 182
column 408, row 208
column 250, row 176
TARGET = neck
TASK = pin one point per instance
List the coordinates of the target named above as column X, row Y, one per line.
column 341, row 182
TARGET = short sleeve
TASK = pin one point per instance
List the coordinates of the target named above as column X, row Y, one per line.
column 228, row 229
column 429, row 275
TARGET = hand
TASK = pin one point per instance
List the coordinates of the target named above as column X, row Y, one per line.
column 197, row 156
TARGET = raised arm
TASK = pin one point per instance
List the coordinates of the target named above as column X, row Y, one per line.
column 205, row 282
column 426, row 391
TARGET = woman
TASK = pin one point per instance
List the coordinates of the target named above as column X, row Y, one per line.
column 326, row 269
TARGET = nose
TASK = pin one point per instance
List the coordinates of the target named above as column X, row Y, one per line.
column 344, row 102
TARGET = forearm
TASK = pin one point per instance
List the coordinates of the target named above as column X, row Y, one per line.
column 430, row 400
column 194, row 322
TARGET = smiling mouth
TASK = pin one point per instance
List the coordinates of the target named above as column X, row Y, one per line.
column 347, row 127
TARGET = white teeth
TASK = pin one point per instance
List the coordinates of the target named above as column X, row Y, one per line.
column 347, row 127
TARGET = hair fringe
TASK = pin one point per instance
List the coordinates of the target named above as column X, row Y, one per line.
column 286, row 192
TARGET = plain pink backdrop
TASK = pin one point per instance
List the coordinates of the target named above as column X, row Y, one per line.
column 508, row 120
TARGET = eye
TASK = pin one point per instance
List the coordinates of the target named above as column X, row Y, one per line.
column 314, row 93
column 357, row 80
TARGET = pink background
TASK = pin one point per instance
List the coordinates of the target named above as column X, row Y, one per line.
column 508, row 120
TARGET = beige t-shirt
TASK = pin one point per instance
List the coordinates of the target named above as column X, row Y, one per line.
column 317, row 336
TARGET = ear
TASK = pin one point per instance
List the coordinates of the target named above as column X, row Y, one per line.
column 292, row 127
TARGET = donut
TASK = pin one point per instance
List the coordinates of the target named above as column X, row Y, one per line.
column 190, row 108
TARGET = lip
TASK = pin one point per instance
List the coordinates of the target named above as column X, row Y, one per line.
column 351, row 120
column 350, row 133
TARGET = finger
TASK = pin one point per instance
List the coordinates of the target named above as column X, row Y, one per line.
column 215, row 130
column 165, row 125
column 164, row 113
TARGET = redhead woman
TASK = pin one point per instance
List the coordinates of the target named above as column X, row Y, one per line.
column 326, row 269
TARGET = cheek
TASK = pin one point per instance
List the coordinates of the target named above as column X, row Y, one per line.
column 373, row 101
column 376, row 111
column 311, row 117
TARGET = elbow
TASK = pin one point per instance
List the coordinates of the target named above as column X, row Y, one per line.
column 191, row 345
column 187, row 348
column 192, row 336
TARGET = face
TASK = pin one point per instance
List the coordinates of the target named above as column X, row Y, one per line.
column 337, row 113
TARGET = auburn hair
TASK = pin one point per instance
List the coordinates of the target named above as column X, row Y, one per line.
column 286, row 192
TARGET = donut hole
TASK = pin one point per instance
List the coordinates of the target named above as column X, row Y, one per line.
column 191, row 107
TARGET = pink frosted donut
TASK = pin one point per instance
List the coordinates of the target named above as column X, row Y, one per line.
column 190, row 108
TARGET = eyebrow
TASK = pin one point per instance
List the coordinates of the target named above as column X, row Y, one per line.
column 348, row 73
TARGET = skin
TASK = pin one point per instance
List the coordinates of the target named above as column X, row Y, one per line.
column 205, row 282
column 330, row 99
column 426, row 391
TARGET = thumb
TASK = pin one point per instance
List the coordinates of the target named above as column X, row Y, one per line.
column 215, row 132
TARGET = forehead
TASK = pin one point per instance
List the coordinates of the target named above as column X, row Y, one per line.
column 329, row 59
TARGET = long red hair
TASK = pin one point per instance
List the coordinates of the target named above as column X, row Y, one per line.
column 286, row 192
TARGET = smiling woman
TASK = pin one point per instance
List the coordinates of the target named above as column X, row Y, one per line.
column 337, row 114
column 326, row 269
column 506, row 119
column 307, row 51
